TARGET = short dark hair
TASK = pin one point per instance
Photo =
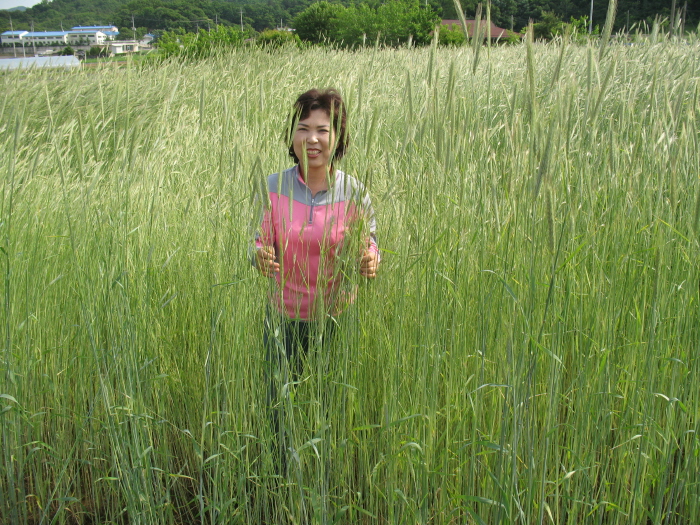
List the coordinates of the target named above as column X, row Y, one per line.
column 330, row 101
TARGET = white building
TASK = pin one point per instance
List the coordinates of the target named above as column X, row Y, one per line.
column 56, row 38
column 13, row 37
column 46, row 38
column 87, row 38
column 37, row 38
column 103, row 29
column 127, row 46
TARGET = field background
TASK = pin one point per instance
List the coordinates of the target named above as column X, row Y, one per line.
column 529, row 353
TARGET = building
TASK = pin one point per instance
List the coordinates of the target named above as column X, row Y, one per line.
column 84, row 36
column 45, row 38
column 103, row 29
column 87, row 38
column 13, row 37
column 126, row 46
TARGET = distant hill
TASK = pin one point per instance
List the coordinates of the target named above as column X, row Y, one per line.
column 18, row 8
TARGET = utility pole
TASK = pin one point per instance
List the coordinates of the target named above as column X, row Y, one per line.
column 590, row 20
column 33, row 46
column 14, row 50
column 241, row 19
column 133, row 26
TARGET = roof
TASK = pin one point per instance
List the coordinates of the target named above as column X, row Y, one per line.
column 81, row 33
column 496, row 32
column 14, row 33
column 90, row 28
column 47, row 33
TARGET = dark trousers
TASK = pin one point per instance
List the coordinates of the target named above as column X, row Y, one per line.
column 287, row 347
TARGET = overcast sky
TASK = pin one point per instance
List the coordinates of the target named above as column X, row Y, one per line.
column 9, row 4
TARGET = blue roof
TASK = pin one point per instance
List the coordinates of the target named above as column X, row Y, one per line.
column 95, row 28
column 111, row 33
column 13, row 33
column 47, row 33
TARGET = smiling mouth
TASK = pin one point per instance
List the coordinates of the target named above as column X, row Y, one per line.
column 313, row 152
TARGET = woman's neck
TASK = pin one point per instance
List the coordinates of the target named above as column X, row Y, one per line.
column 316, row 180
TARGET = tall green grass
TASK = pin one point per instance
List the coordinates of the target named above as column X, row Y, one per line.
column 528, row 354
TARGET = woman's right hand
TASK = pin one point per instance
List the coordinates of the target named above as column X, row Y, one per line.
column 265, row 259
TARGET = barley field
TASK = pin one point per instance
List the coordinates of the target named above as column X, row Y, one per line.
column 528, row 353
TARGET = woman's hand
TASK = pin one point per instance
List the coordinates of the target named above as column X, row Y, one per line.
column 265, row 259
column 369, row 264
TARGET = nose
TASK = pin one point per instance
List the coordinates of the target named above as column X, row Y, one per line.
column 312, row 137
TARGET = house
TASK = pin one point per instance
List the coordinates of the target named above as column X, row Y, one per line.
column 109, row 32
column 126, row 46
column 497, row 33
column 79, row 35
column 88, row 38
column 13, row 37
column 45, row 38
column 103, row 29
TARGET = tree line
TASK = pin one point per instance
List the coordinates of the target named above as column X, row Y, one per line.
column 337, row 20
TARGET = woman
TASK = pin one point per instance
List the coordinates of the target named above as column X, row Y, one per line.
column 312, row 210
column 317, row 225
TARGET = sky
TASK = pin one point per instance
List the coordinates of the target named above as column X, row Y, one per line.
column 9, row 4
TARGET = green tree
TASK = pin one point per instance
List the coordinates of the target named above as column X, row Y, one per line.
column 318, row 22
column 401, row 20
column 356, row 25
column 549, row 26
column 452, row 36
column 274, row 38
column 392, row 23
column 201, row 44
column 97, row 51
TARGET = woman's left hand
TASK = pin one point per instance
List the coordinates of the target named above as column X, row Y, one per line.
column 369, row 264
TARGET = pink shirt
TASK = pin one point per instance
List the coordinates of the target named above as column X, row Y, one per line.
column 309, row 234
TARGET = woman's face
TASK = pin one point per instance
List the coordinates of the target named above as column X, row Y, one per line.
column 313, row 140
